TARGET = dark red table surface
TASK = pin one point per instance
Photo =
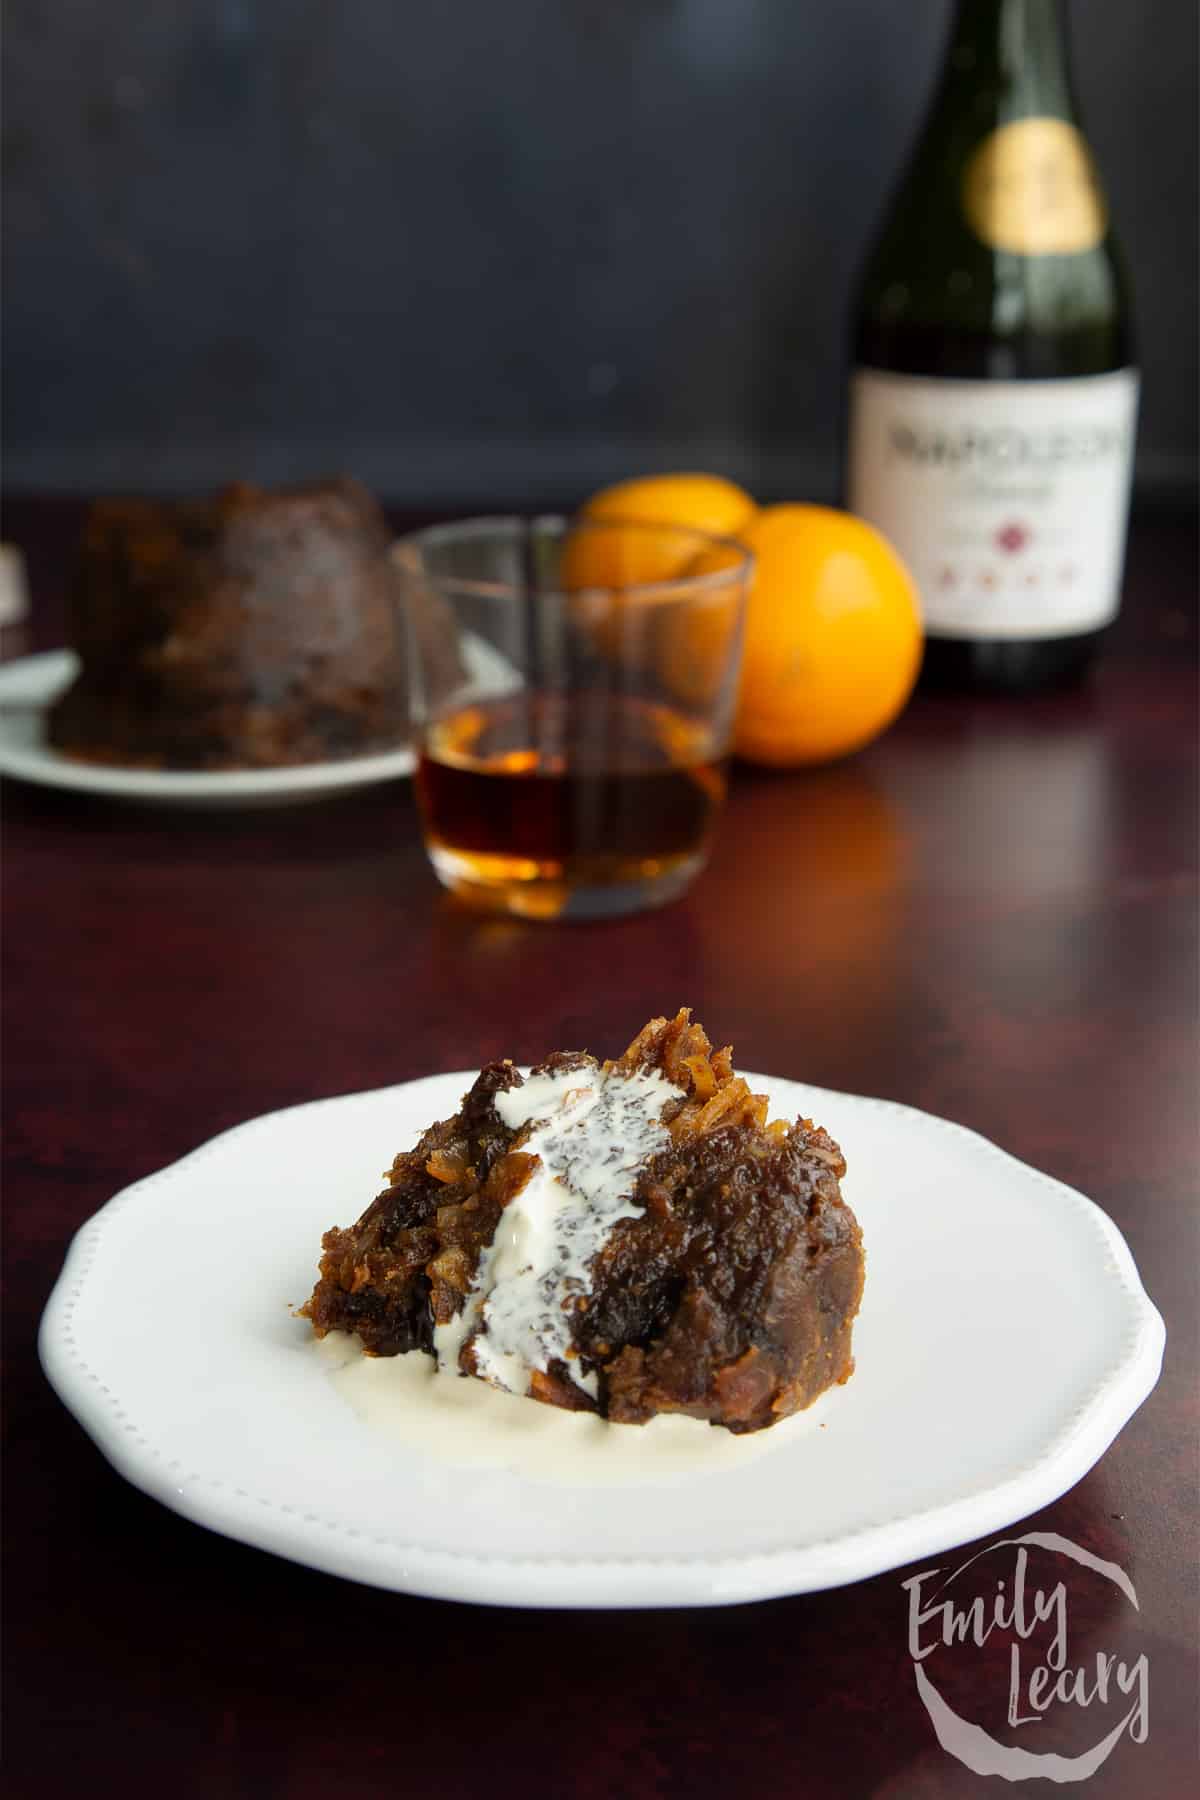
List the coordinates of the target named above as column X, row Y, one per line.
column 990, row 914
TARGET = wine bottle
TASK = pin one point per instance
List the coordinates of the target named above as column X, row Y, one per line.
column 993, row 397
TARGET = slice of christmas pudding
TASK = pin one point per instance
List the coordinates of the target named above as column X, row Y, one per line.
column 628, row 1237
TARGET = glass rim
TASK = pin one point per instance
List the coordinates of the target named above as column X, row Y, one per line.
column 681, row 586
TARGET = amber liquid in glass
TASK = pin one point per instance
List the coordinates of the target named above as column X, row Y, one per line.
column 586, row 806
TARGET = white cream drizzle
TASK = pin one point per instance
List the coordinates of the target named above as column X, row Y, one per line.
column 592, row 1133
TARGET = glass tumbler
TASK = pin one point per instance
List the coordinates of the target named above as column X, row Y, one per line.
column 574, row 686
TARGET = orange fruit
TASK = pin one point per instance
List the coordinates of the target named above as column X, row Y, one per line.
column 695, row 641
column 617, row 559
column 833, row 636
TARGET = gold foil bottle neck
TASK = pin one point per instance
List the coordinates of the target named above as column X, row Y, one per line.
column 1030, row 188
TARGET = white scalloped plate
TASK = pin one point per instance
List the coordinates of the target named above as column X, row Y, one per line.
column 29, row 684
column 1004, row 1340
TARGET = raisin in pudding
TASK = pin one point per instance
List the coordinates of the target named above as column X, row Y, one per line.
column 629, row 1238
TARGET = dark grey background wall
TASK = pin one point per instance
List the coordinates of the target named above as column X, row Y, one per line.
column 509, row 248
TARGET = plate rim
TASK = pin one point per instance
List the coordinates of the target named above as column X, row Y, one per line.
column 601, row 1580
column 43, row 674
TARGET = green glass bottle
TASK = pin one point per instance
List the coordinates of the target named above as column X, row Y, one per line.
column 993, row 397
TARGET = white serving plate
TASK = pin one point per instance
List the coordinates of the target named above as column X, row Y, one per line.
column 29, row 684
column 1004, row 1340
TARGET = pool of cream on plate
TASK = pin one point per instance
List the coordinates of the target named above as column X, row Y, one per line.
column 460, row 1419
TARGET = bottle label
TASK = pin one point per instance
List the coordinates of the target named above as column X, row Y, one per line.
column 1030, row 187
column 1007, row 499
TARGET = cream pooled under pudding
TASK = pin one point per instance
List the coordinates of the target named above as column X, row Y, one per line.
column 627, row 1238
